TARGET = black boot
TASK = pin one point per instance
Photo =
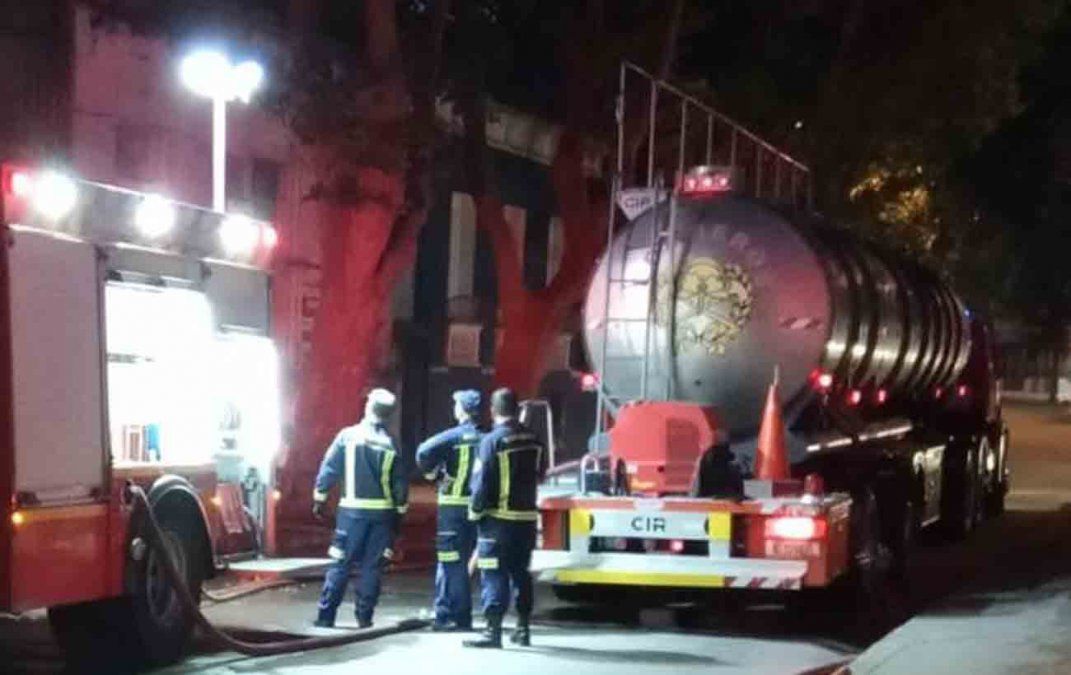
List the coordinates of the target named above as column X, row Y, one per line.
column 522, row 634
column 492, row 635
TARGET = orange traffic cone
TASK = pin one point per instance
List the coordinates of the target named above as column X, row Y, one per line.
column 771, row 459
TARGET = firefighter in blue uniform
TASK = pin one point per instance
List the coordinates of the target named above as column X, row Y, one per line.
column 448, row 457
column 505, row 479
column 374, row 496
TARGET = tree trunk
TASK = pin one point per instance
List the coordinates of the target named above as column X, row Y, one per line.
column 1055, row 373
column 369, row 221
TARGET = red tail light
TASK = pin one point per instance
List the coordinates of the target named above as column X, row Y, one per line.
column 814, row 485
column 589, row 381
column 855, row 397
column 707, row 180
column 821, row 381
column 21, row 184
column 798, row 528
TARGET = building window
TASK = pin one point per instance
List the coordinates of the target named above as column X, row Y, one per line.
column 517, row 221
column 133, row 153
column 555, row 247
column 462, row 246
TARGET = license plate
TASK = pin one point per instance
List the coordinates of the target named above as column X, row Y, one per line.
column 649, row 525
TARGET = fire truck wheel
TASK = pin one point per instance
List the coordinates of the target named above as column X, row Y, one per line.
column 162, row 624
column 96, row 634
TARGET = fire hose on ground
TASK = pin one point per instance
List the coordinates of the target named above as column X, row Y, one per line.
column 190, row 604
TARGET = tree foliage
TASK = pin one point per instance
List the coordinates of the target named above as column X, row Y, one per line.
column 889, row 101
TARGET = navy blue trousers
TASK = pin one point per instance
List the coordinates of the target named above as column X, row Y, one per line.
column 454, row 541
column 504, row 551
column 360, row 540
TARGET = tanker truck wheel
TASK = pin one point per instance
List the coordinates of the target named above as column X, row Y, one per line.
column 998, row 488
column 582, row 594
column 868, row 589
column 961, row 494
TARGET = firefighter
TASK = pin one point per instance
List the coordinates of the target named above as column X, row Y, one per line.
column 507, row 473
column 374, row 496
column 448, row 458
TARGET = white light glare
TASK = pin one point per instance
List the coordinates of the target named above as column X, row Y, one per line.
column 245, row 79
column 206, row 73
column 239, row 234
column 155, row 216
column 54, row 195
column 210, row 74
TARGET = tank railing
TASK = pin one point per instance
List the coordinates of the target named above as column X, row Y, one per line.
column 662, row 131
column 694, row 129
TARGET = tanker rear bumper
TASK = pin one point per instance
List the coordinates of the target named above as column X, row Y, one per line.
column 633, row 569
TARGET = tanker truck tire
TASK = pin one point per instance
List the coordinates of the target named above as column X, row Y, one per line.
column 962, row 495
column 868, row 589
column 162, row 624
column 583, row 594
column 998, row 489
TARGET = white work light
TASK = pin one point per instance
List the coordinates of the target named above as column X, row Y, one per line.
column 239, row 234
column 211, row 74
column 154, row 216
column 54, row 195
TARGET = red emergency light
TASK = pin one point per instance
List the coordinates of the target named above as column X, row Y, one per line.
column 821, row 381
column 707, row 180
column 589, row 382
column 798, row 528
column 20, row 184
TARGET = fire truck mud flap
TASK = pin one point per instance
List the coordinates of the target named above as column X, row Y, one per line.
column 630, row 569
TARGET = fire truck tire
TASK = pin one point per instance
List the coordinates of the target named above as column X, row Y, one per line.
column 162, row 624
column 90, row 632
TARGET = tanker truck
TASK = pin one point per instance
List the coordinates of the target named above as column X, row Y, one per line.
column 788, row 405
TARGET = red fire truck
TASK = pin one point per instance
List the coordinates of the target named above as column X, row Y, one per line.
column 133, row 349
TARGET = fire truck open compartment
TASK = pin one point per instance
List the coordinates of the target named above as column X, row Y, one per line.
column 182, row 391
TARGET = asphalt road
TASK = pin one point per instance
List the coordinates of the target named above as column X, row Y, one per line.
column 1028, row 549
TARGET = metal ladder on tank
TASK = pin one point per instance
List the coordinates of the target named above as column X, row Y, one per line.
column 661, row 239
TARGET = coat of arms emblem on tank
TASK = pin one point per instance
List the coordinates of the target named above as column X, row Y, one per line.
column 713, row 304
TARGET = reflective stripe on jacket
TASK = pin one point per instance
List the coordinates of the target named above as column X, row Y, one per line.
column 449, row 456
column 363, row 459
column 506, row 475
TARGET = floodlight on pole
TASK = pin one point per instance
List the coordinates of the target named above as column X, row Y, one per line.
column 211, row 74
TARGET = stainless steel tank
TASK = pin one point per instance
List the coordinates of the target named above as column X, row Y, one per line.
column 744, row 290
